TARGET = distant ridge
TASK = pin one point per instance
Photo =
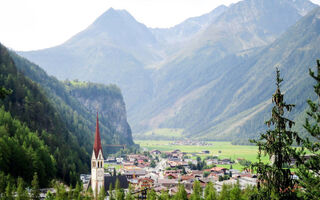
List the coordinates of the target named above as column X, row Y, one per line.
column 192, row 76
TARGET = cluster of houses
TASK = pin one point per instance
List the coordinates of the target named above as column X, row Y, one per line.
column 191, row 143
column 173, row 168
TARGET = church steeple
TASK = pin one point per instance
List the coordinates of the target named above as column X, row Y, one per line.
column 97, row 139
column 97, row 163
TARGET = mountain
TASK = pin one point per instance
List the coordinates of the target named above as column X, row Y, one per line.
column 188, row 28
column 200, row 70
column 77, row 103
column 48, row 126
column 237, row 100
column 195, row 76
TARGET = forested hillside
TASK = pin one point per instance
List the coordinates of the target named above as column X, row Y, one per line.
column 50, row 127
column 48, row 133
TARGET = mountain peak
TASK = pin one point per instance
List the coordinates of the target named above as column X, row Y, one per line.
column 113, row 16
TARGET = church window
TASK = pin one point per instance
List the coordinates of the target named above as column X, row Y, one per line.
column 93, row 164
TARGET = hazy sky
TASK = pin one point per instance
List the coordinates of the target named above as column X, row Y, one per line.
column 36, row 24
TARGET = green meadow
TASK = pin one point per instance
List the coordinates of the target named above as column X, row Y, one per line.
column 221, row 149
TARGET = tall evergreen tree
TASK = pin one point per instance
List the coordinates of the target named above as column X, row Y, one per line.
column 210, row 192
column 129, row 195
column 151, row 195
column 181, row 194
column 277, row 143
column 102, row 194
column 35, row 193
column 197, row 192
column 4, row 92
column 110, row 192
column 22, row 194
column 309, row 171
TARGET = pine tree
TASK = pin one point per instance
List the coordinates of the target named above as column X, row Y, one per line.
column 197, row 193
column 164, row 195
column 277, row 144
column 309, row 169
column 9, row 192
column 102, row 194
column 181, row 194
column 235, row 193
column 210, row 192
column 22, row 194
column 110, row 192
column 119, row 191
column 151, row 195
column 35, row 192
column 129, row 195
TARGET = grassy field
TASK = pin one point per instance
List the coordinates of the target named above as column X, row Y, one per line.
column 226, row 148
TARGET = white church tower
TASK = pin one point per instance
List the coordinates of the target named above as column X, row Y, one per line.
column 97, row 162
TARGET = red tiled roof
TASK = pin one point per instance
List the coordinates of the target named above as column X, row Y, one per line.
column 218, row 168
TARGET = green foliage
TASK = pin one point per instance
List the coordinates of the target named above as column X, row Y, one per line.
column 277, row 143
column 181, row 194
column 4, row 92
column 210, row 192
column 35, row 190
column 102, row 194
column 22, row 152
column 309, row 169
column 164, row 195
column 29, row 104
column 153, row 164
column 22, row 193
column 129, row 195
column 197, row 191
column 151, row 195
column 110, row 192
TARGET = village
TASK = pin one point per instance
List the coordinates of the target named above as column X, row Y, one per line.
column 163, row 171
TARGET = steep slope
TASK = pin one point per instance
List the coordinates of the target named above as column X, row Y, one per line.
column 236, row 102
column 208, row 59
column 191, row 86
column 187, row 29
column 114, row 49
column 42, row 131
column 72, row 105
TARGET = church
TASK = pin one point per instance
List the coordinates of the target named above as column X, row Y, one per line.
column 98, row 178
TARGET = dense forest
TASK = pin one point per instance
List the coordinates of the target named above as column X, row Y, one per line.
column 43, row 128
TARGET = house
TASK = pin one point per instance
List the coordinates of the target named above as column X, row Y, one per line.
column 155, row 152
column 206, row 152
column 168, row 183
column 145, row 183
column 133, row 173
column 218, row 170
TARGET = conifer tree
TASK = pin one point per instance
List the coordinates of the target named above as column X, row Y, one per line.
column 119, row 191
column 151, row 195
column 210, row 192
column 35, row 192
column 225, row 192
column 22, row 194
column 181, row 194
column 235, row 193
column 9, row 192
column 197, row 193
column 164, row 195
column 110, row 192
column 277, row 143
column 309, row 170
column 102, row 194
column 129, row 195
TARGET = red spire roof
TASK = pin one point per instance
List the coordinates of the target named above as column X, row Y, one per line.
column 97, row 140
